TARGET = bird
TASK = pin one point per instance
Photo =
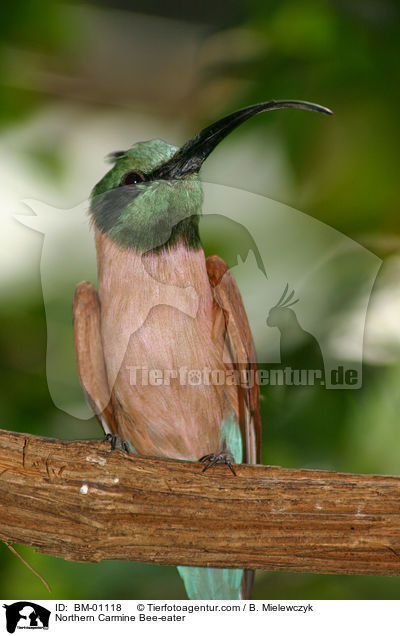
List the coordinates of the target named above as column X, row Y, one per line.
column 162, row 306
column 299, row 349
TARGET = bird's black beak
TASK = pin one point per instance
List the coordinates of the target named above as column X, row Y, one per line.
column 194, row 152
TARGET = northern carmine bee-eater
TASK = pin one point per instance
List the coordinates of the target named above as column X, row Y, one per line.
column 162, row 307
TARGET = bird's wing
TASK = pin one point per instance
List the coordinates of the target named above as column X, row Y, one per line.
column 242, row 351
column 241, row 347
column 89, row 354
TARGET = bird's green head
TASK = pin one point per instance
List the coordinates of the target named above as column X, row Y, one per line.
column 146, row 213
column 152, row 195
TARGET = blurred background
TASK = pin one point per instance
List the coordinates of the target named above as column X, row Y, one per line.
column 78, row 80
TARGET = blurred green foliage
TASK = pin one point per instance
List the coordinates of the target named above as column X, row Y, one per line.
column 39, row 27
column 345, row 55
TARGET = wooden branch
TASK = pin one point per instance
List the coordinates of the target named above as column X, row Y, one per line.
column 80, row 501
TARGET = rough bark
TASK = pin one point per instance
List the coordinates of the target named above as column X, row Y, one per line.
column 82, row 502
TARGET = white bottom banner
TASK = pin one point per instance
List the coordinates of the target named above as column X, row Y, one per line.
column 176, row 617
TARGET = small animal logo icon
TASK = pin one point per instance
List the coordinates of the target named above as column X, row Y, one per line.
column 26, row 615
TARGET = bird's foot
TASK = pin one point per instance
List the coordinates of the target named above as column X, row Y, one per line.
column 223, row 457
column 117, row 443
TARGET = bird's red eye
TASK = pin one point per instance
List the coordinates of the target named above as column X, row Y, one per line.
column 133, row 177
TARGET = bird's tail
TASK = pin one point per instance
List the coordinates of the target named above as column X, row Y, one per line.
column 220, row 583
column 212, row 583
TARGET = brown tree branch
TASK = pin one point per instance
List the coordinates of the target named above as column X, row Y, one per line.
column 80, row 501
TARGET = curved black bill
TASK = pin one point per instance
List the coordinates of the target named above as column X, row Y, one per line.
column 193, row 153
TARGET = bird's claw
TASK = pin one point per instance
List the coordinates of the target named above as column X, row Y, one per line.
column 223, row 457
column 117, row 443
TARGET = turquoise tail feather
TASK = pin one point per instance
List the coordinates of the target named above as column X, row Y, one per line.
column 211, row 583
column 215, row 583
